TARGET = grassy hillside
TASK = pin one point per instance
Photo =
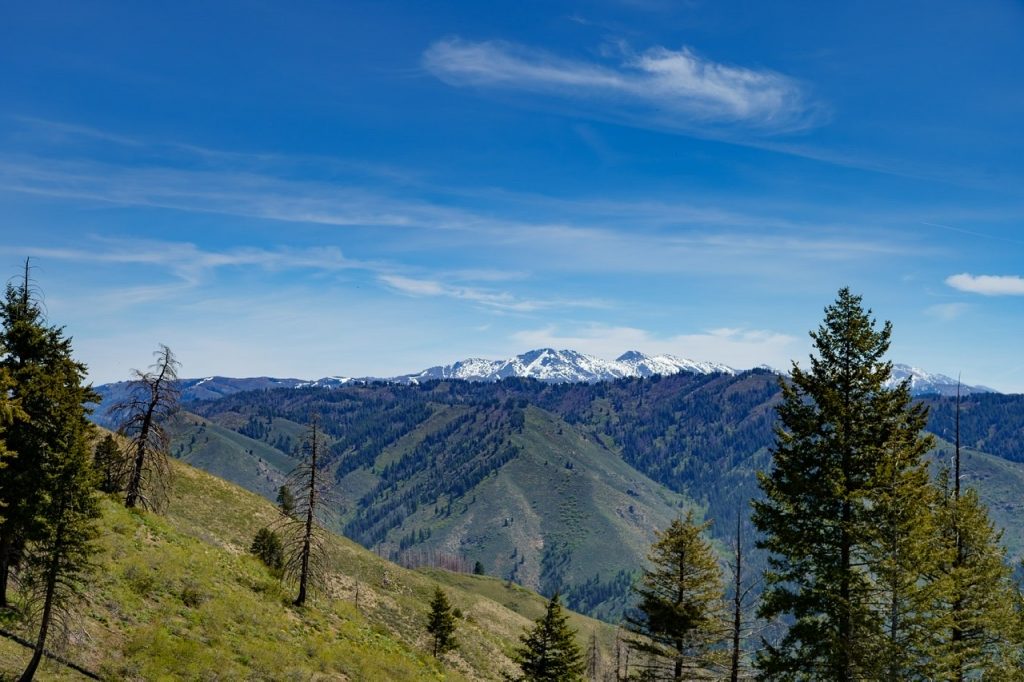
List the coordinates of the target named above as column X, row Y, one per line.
column 537, row 480
column 548, row 517
column 178, row 596
column 541, row 500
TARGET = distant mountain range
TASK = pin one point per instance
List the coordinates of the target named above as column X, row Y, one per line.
column 544, row 364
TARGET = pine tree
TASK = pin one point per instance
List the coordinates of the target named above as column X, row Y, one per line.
column 981, row 602
column 10, row 411
column 266, row 545
column 681, row 620
column 108, row 461
column 45, row 386
column 844, row 440
column 902, row 553
column 549, row 650
column 143, row 415
column 441, row 623
column 57, row 559
column 47, row 488
column 285, row 500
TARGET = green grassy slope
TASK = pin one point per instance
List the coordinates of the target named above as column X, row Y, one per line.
column 178, row 597
column 225, row 453
column 566, row 511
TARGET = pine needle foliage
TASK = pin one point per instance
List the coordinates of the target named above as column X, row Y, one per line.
column 108, row 461
column 143, row 416
column 46, row 397
column 681, row 621
column 266, row 545
column 48, row 488
column 58, row 558
column 285, row 500
column 845, row 444
column 441, row 623
column 549, row 651
column 981, row 603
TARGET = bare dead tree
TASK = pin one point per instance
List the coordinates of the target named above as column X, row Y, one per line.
column 741, row 629
column 305, row 552
column 152, row 400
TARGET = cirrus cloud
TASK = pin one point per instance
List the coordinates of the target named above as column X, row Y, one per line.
column 658, row 88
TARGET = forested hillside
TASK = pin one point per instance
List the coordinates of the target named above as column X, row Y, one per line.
column 527, row 477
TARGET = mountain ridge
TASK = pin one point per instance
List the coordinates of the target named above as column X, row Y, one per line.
column 542, row 364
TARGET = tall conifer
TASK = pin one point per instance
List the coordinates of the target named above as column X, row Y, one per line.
column 839, row 426
column 46, row 384
column 980, row 602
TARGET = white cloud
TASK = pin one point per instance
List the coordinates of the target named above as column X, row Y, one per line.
column 740, row 348
column 988, row 285
column 498, row 300
column 187, row 263
column 661, row 88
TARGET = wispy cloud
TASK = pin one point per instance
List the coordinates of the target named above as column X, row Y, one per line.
column 946, row 311
column 659, row 88
column 498, row 300
column 988, row 285
column 188, row 264
column 741, row 348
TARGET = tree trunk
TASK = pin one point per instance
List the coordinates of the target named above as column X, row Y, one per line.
column 737, row 606
column 135, row 483
column 6, row 555
column 307, row 540
column 44, row 625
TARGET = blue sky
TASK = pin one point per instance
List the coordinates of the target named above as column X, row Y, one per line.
column 369, row 188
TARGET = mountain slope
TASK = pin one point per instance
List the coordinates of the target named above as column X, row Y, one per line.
column 178, row 597
column 425, row 472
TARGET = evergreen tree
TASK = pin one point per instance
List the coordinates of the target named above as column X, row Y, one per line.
column 844, row 442
column 57, row 559
column 47, row 488
column 152, row 399
column 45, row 384
column 549, row 650
column 285, row 500
column 10, row 410
column 267, row 547
column 108, row 461
column 902, row 553
column 981, row 602
column 681, row 620
column 441, row 623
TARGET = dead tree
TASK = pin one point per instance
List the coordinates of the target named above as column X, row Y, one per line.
column 305, row 553
column 740, row 629
column 152, row 400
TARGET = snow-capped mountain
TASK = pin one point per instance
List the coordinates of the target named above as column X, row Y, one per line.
column 543, row 364
column 922, row 382
column 556, row 366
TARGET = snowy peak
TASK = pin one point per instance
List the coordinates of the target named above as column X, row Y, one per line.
column 566, row 366
column 922, row 382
